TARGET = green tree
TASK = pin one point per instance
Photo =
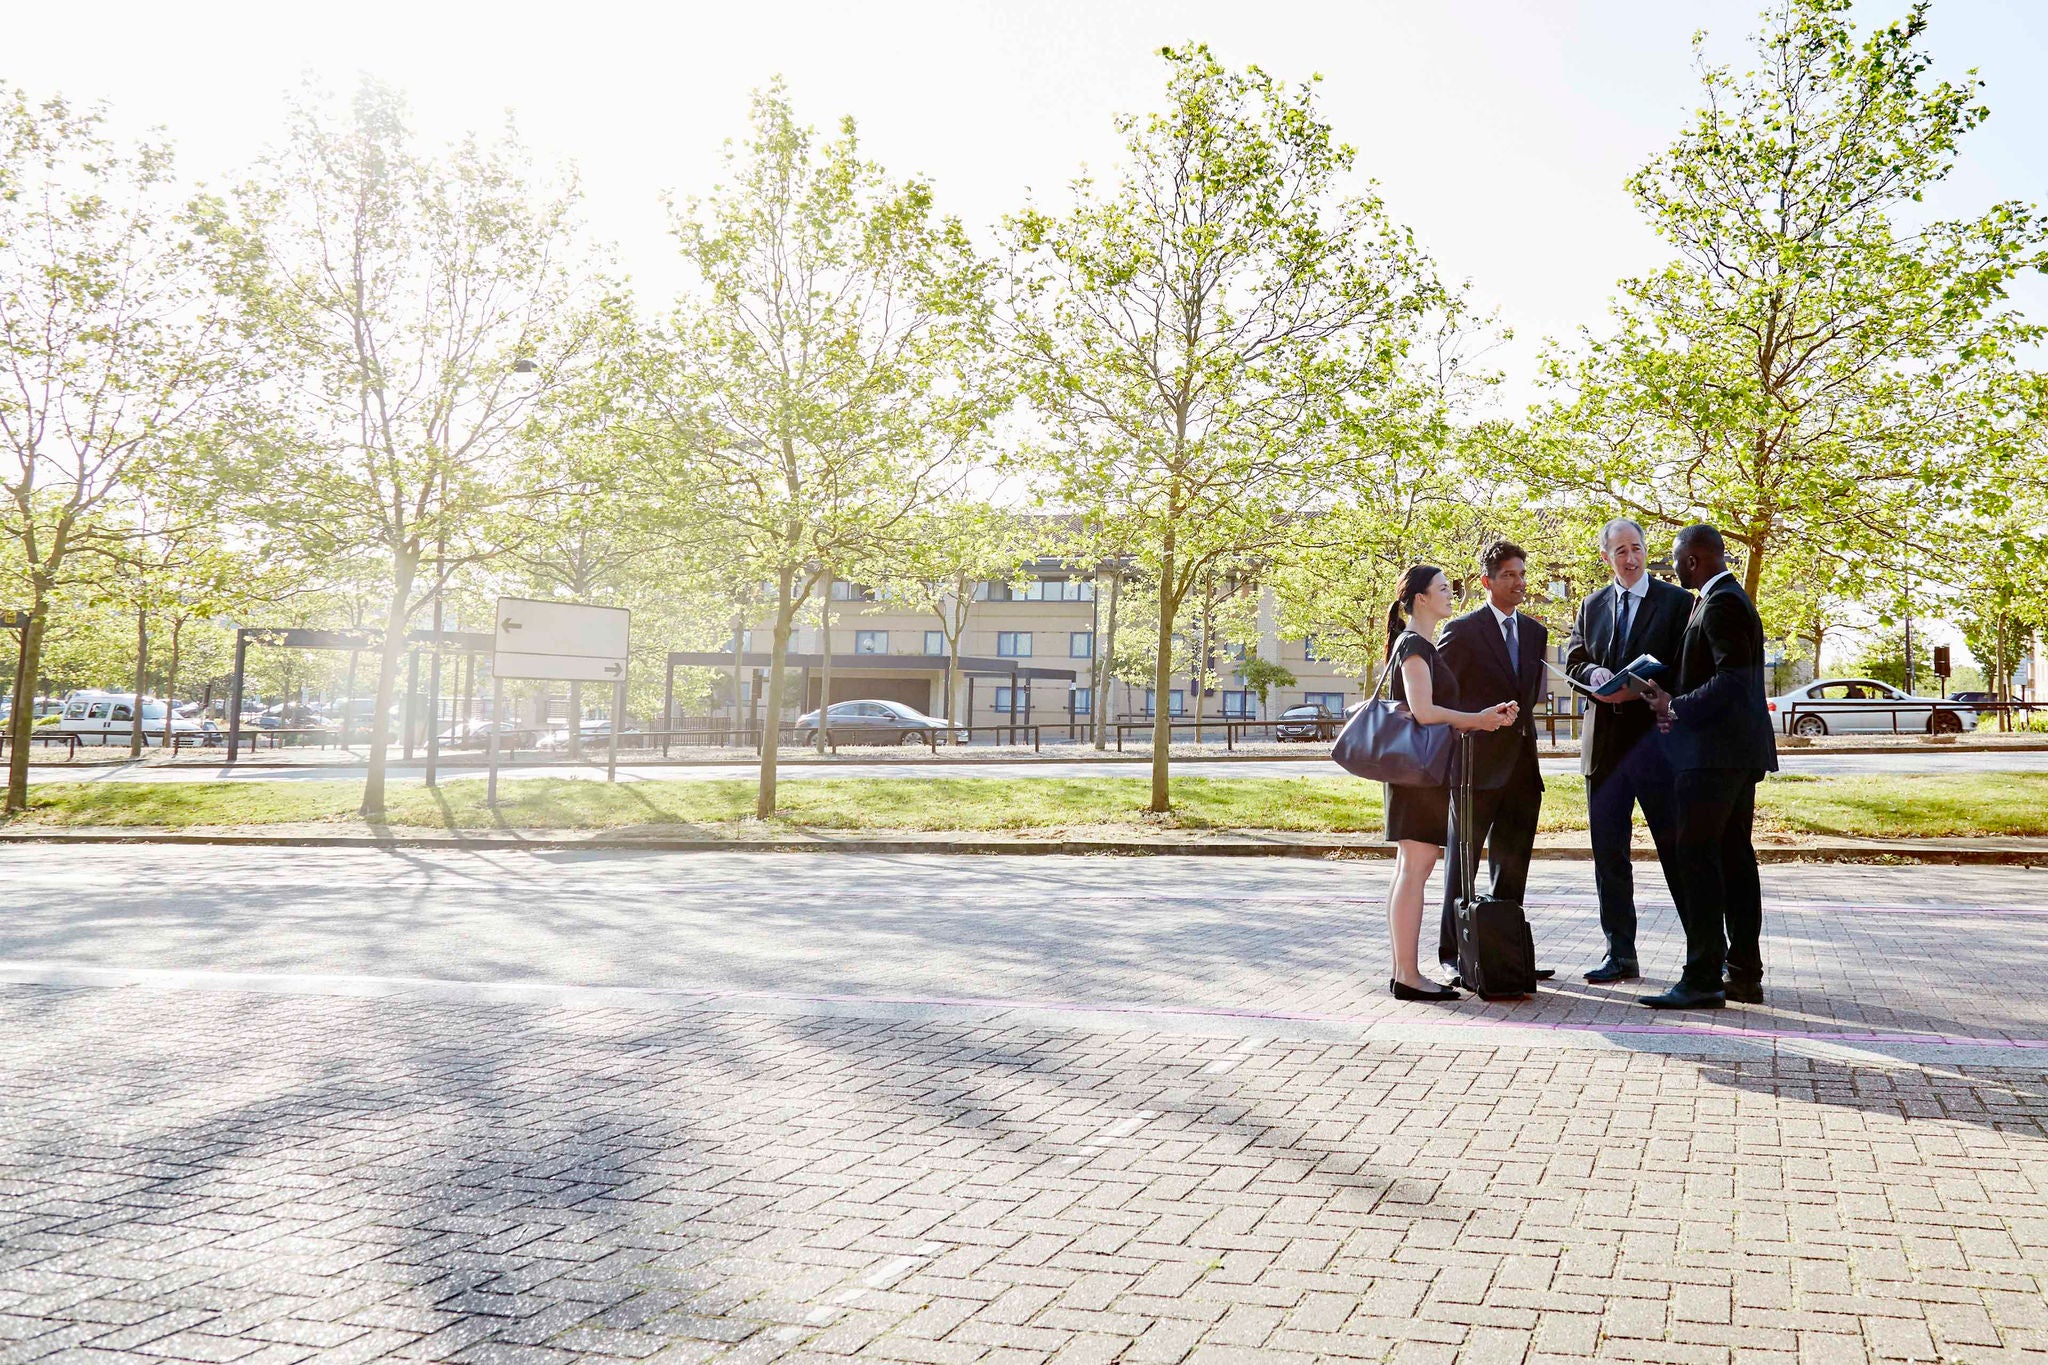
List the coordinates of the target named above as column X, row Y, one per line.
column 822, row 385
column 110, row 357
column 412, row 309
column 1193, row 339
column 1808, row 369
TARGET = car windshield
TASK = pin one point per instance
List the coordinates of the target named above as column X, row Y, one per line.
column 1293, row 711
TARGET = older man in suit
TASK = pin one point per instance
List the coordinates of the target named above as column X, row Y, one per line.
column 1721, row 744
column 1621, row 752
column 1497, row 654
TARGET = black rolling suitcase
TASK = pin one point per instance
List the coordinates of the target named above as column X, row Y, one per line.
column 1496, row 952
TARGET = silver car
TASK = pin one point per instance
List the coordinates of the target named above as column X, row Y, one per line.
column 1864, row 706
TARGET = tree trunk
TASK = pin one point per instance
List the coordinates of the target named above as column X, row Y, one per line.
column 141, row 681
column 171, row 683
column 1162, row 689
column 771, row 720
column 575, row 722
column 1106, row 647
column 963, row 604
column 21, row 720
column 1199, row 685
column 403, row 567
column 825, row 669
column 1753, row 570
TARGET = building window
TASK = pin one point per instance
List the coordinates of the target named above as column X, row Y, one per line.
column 1176, row 702
column 1081, row 644
column 935, row 642
column 1084, row 701
column 1010, row 700
column 1036, row 590
column 1013, row 644
column 1240, row 706
column 744, row 642
column 842, row 591
column 1234, row 652
column 1308, row 649
column 871, row 642
column 1333, row 702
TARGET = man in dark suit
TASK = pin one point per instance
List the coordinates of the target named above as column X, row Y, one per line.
column 1621, row 752
column 1497, row 654
column 1719, row 737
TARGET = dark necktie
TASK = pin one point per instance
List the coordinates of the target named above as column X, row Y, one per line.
column 1621, row 615
column 1514, row 644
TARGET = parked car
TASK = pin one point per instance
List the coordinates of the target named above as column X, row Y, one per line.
column 1314, row 722
column 1990, row 698
column 476, row 734
column 1851, row 706
column 109, row 718
column 596, row 734
column 291, row 716
column 876, row 722
column 44, row 706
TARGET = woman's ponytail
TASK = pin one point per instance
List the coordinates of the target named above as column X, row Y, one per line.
column 1418, row 580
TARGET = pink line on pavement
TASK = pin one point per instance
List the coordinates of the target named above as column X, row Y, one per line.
column 1295, row 1016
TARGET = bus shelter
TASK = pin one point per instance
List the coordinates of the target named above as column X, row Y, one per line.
column 466, row 644
column 906, row 678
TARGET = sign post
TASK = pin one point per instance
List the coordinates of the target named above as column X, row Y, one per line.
column 560, row 642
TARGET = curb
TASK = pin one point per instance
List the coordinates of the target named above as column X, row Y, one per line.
column 1312, row 756
column 1840, row 851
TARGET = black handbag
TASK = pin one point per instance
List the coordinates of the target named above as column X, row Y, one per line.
column 1384, row 742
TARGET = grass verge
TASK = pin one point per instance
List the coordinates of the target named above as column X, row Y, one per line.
column 1926, row 806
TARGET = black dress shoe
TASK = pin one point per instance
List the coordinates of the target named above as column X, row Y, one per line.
column 1684, row 997
column 1401, row 992
column 1743, row 992
column 1614, row 969
column 1545, row 973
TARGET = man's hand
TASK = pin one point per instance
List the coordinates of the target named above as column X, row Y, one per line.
column 1660, row 702
column 1598, row 677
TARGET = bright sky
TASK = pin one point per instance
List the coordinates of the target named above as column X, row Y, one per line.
column 1501, row 130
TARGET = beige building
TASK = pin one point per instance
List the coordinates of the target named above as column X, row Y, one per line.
column 1051, row 626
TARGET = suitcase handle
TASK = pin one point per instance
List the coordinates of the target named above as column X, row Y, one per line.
column 1468, row 852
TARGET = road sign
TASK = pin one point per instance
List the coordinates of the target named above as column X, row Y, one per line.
column 13, row 618
column 1941, row 665
column 560, row 641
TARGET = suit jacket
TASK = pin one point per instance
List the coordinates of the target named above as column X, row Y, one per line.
column 1476, row 652
column 1658, row 627
column 1719, row 718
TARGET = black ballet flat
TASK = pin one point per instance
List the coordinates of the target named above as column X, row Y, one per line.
column 1401, row 992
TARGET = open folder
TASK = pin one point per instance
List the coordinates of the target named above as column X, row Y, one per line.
column 1627, row 682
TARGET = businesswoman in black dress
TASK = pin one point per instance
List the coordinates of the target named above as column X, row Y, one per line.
column 1418, row 818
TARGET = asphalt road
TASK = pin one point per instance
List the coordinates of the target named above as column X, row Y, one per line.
column 1865, row 947
column 1793, row 761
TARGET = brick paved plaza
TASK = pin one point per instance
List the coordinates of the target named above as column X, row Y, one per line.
column 361, row 1106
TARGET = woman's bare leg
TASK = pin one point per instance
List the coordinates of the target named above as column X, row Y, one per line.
column 1413, row 863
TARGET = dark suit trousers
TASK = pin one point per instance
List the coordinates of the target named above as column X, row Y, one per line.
column 1642, row 778
column 1720, row 899
column 1506, row 819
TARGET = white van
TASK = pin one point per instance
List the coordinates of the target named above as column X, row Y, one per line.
column 109, row 717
